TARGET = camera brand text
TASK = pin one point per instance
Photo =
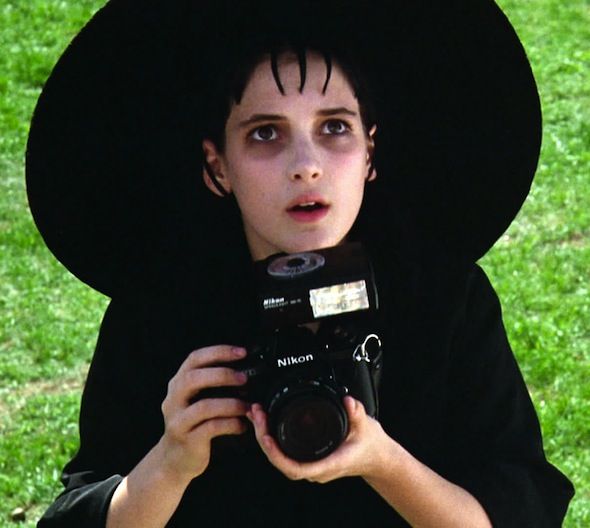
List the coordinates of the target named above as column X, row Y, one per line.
column 292, row 360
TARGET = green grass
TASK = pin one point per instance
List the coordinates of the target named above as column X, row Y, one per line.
column 540, row 268
column 48, row 319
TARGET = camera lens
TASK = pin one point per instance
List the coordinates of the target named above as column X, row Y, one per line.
column 310, row 424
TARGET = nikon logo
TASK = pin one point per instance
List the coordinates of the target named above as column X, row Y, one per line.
column 273, row 302
column 292, row 360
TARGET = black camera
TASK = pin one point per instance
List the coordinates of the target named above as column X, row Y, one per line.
column 318, row 343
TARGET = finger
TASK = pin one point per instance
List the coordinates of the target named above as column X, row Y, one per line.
column 210, row 355
column 323, row 470
column 218, row 427
column 209, row 409
column 195, row 381
column 186, row 385
column 258, row 418
column 291, row 468
column 355, row 410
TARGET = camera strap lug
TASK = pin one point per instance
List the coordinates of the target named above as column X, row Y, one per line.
column 360, row 352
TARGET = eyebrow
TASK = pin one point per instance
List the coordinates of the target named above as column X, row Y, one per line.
column 337, row 111
column 326, row 112
column 256, row 118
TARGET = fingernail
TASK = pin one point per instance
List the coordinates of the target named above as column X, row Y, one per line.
column 352, row 403
column 241, row 377
column 238, row 351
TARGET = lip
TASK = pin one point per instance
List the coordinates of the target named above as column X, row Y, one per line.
column 313, row 215
column 307, row 198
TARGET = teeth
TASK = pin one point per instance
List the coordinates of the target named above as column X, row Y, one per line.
column 307, row 204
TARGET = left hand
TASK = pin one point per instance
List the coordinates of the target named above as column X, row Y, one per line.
column 359, row 455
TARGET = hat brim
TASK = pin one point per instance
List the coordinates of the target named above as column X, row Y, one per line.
column 114, row 157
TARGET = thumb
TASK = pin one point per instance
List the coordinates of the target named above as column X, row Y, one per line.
column 355, row 409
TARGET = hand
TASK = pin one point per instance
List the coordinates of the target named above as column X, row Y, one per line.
column 358, row 455
column 185, row 447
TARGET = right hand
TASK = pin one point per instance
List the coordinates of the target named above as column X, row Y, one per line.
column 189, row 427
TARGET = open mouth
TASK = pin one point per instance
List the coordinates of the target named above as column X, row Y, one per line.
column 307, row 207
column 308, row 211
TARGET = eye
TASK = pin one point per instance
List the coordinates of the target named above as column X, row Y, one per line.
column 335, row 127
column 264, row 133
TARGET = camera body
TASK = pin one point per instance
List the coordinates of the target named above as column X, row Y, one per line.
column 318, row 343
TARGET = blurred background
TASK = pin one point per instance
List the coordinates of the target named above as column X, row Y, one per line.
column 540, row 267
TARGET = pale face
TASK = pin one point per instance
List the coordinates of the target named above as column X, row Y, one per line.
column 296, row 163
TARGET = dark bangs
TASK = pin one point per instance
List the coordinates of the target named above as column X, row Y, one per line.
column 227, row 85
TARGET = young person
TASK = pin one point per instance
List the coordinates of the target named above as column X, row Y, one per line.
column 457, row 441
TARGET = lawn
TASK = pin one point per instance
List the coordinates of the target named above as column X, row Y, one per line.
column 540, row 267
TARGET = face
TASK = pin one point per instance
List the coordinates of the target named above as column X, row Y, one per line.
column 297, row 163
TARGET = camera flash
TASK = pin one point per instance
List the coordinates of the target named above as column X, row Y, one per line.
column 339, row 298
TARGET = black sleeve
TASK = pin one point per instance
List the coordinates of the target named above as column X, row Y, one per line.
column 494, row 435
column 118, row 424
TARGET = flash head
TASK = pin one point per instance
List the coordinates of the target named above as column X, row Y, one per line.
column 303, row 287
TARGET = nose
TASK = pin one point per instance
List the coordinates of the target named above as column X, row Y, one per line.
column 304, row 164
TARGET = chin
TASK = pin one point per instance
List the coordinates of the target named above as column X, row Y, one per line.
column 300, row 246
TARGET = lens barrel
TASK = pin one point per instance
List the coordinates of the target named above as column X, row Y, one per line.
column 308, row 421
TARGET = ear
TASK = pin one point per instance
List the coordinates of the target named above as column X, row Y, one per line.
column 212, row 170
column 371, row 153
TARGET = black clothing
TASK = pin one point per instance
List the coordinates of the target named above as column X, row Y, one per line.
column 451, row 394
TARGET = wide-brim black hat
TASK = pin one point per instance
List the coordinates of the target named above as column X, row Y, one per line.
column 114, row 157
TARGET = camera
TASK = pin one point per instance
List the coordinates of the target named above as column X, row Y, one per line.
column 317, row 343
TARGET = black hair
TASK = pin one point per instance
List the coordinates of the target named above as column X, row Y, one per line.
column 231, row 90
